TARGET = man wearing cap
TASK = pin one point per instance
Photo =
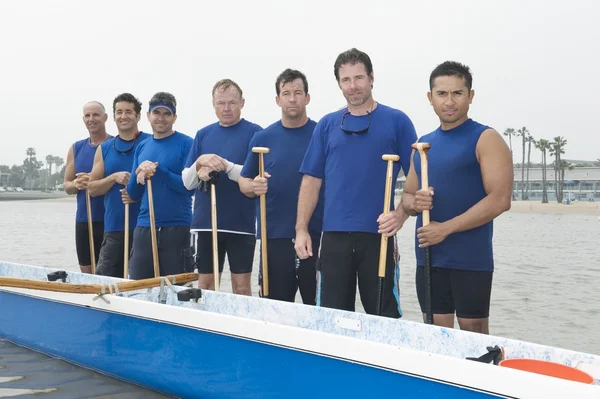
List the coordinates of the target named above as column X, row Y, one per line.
column 161, row 158
column 222, row 147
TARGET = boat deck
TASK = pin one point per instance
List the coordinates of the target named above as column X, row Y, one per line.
column 28, row 374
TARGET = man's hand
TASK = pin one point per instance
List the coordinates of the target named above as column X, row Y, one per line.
column 432, row 234
column 81, row 181
column 145, row 170
column 121, row 177
column 125, row 197
column 203, row 173
column 423, row 200
column 212, row 161
column 303, row 244
column 390, row 223
column 260, row 185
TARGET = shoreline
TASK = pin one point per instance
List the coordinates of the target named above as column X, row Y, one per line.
column 32, row 195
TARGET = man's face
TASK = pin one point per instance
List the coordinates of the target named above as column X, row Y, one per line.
column 162, row 120
column 355, row 83
column 94, row 118
column 293, row 99
column 125, row 116
column 228, row 105
column 450, row 99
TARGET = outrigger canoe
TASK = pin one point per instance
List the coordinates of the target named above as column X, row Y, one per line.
column 188, row 343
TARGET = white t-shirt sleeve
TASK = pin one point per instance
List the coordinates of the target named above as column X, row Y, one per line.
column 190, row 178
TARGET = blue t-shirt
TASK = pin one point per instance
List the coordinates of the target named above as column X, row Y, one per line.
column 287, row 149
column 118, row 155
column 172, row 201
column 455, row 175
column 84, row 152
column 235, row 211
column 351, row 166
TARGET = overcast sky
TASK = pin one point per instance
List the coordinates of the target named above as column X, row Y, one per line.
column 534, row 63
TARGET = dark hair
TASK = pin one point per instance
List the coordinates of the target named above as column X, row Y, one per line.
column 289, row 75
column 452, row 68
column 224, row 84
column 352, row 57
column 164, row 98
column 130, row 98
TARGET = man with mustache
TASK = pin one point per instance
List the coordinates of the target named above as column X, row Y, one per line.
column 80, row 159
column 345, row 156
column 470, row 168
column 222, row 147
column 110, row 175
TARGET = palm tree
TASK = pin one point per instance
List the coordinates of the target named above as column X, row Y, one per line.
column 529, row 139
column 543, row 145
column 510, row 132
column 523, row 134
column 558, row 148
column 597, row 163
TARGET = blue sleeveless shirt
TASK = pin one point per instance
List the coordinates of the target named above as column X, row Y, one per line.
column 84, row 152
column 455, row 175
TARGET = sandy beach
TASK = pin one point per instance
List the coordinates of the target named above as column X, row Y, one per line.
column 554, row 208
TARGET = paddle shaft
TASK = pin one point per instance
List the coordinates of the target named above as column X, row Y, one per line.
column 263, row 231
column 126, row 248
column 153, row 230
column 88, row 205
column 425, row 214
column 215, row 244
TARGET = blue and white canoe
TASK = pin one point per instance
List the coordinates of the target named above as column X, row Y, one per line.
column 231, row 346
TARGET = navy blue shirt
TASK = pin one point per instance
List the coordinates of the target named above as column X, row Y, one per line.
column 351, row 166
column 455, row 175
column 84, row 152
column 287, row 149
column 235, row 211
column 172, row 201
column 118, row 155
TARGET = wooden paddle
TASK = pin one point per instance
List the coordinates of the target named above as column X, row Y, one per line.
column 215, row 236
column 422, row 149
column 390, row 158
column 263, row 222
column 153, row 228
column 126, row 249
column 90, row 229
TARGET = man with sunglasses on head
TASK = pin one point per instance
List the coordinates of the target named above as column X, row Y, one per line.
column 110, row 175
column 345, row 156
column 161, row 158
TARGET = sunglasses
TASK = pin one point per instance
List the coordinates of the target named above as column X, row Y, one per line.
column 357, row 132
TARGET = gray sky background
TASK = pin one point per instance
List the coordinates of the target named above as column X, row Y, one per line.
column 534, row 62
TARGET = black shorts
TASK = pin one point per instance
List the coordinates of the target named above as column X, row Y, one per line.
column 466, row 292
column 238, row 247
column 111, row 261
column 343, row 256
column 82, row 241
column 288, row 273
column 175, row 254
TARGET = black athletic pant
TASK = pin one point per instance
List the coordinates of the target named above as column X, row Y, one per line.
column 344, row 255
column 288, row 273
column 82, row 242
column 111, row 261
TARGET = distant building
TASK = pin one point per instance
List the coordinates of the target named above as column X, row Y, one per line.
column 4, row 179
column 581, row 183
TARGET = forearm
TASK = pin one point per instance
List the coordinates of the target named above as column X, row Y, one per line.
column 479, row 214
column 401, row 214
column 70, row 188
column 407, row 204
column 134, row 189
column 173, row 181
column 101, row 187
column 234, row 171
column 245, row 184
column 307, row 201
column 190, row 178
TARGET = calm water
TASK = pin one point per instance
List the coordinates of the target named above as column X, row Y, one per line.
column 545, row 284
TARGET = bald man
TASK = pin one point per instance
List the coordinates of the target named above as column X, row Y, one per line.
column 80, row 160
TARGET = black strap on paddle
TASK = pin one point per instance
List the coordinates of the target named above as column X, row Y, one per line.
column 214, row 178
column 495, row 354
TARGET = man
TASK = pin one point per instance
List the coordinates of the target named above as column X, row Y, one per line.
column 222, row 147
column 80, row 159
column 287, row 140
column 161, row 158
column 345, row 153
column 110, row 175
column 470, row 167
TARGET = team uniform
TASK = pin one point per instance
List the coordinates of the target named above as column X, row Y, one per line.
column 118, row 156
column 463, row 263
column 235, row 212
column 172, row 208
column 83, row 154
column 353, row 176
column 287, row 273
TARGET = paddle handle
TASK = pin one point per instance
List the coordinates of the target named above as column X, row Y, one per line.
column 153, row 230
column 88, row 205
column 126, row 248
column 263, row 230
column 386, row 209
column 215, row 244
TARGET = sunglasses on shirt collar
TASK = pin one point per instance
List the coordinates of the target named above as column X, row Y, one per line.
column 357, row 132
